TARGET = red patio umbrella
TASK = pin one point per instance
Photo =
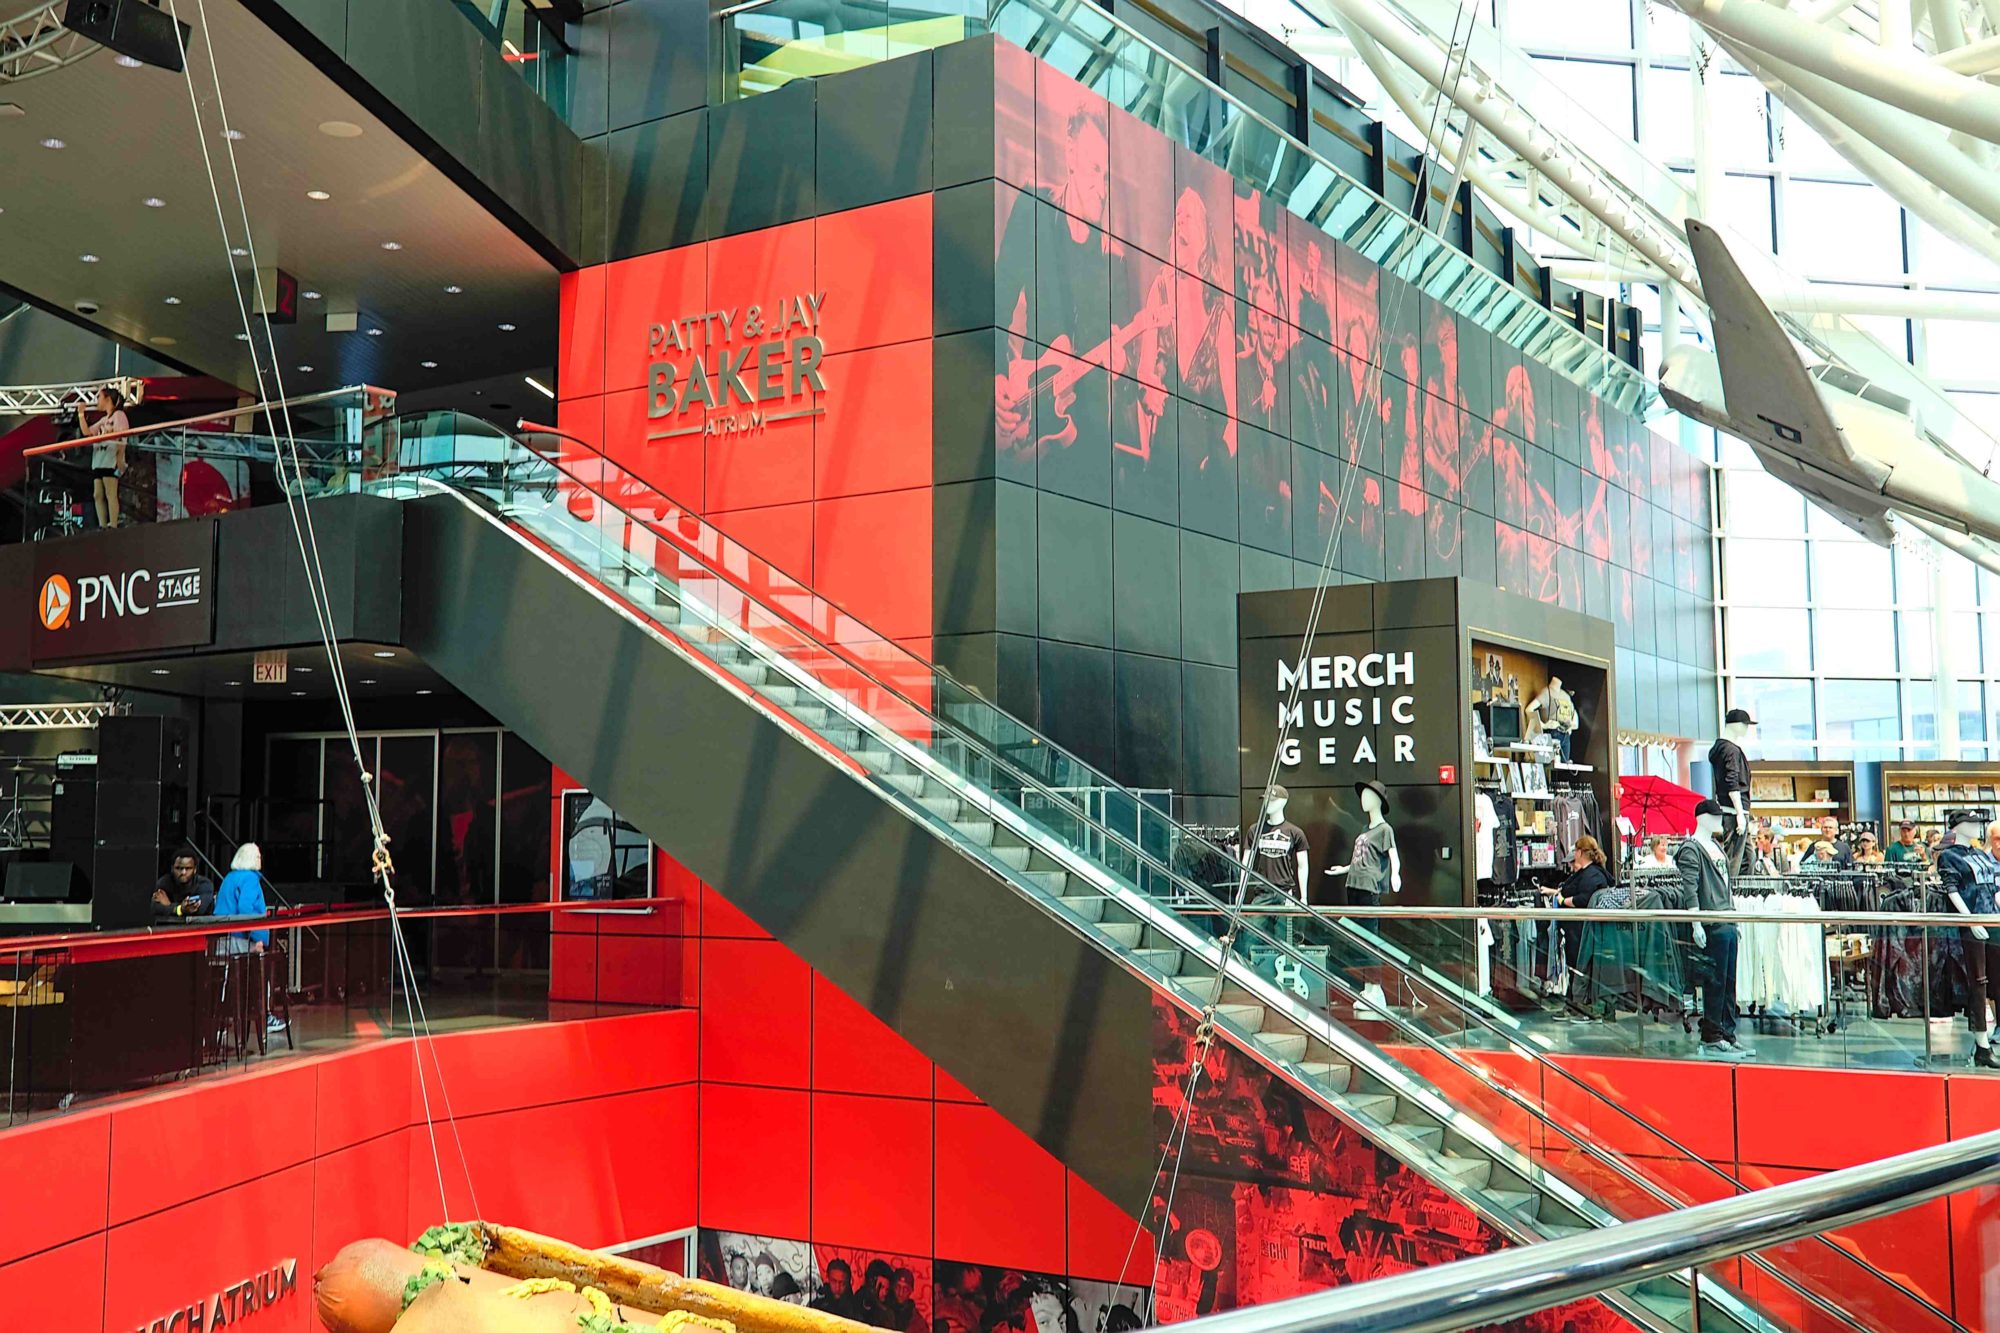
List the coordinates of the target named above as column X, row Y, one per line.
column 1655, row 805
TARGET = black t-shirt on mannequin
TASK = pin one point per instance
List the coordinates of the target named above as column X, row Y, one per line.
column 1277, row 854
column 1730, row 769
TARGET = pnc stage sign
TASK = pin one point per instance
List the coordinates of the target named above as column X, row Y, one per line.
column 142, row 588
column 751, row 367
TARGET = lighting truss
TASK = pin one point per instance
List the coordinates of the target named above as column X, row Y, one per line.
column 34, row 41
column 54, row 717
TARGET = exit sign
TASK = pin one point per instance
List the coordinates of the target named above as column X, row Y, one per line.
column 269, row 668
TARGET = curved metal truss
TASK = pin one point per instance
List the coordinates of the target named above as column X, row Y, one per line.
column 35, row 41
column 28, row 400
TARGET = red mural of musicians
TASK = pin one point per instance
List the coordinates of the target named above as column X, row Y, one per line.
column 1274, row 1197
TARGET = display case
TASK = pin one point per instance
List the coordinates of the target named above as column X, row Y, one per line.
column 1923, row 789
column 1795, row 794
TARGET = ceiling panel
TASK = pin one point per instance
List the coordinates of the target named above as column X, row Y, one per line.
column 128, row 136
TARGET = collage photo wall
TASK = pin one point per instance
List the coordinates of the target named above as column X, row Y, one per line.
column 1234, row 384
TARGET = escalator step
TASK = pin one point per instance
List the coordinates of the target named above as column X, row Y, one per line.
column 1124, row 934
column 1522, row 1203
column 978, row 832
column 1014, row 858
column 1673, row 1309
column 1327, row 1074
column 1055, row 882
column 785, row 696
column 944, row 807
column 875, row 761
column 1473, row 1171
column 1377, row 1106
column 1090, row 909
column 910, row 784
column 1163, row 961
column 1284, row 1045
column 1551, row 1231
column 1247, row 1016
column 1430, row 1136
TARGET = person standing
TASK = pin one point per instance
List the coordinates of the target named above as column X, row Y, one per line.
column 107, row 457
column 241, row 893
column 1905, row 847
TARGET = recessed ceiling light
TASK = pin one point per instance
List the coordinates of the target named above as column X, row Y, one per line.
column 239, row 252
column 88, row 259
column 159, row 671
column 423, row 691
column 392, row 245
column 298, row 694
column 506, row 328
column 232, row 682
column 539, row 387
column 305, row 370
column 54, row 143
column 430, row 365
column 367, row 682
column 161, row 340
column 340, row 129
column 173, row 300
column 310, row 296
column 10, row 109
column 453, row 290
column 305, row 671
column 374, row 333
column 384, row 652
column 318, row 195
column 129, row 63
column 153, row 201
column 243, row 337
column 232, row 134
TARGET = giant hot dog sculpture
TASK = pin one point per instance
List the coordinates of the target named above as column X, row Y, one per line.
column 478, row 1277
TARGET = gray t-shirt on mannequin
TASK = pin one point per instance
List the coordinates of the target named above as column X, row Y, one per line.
column 1368, row 869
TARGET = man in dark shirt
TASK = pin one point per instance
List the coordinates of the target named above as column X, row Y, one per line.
column 183, row 890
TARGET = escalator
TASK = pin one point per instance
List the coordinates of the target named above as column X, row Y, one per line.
column 941, row 863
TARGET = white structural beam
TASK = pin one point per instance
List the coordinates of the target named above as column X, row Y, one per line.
column 53, row 717
column 35, row 399
column 1896, row 161
column 1972, row 59
column 1575, row 174
column 1899, row 78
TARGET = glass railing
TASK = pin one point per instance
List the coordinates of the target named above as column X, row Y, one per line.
column 765, row 46
column 524, row 35
column 198, row 467
column 96, row 1014
column 882, row 704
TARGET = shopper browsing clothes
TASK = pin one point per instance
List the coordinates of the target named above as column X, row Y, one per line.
column 1905, row 847
column 1705, row 887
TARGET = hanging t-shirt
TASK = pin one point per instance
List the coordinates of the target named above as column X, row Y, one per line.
column 1484, row 821
column 1277, row 856
column 1368, row 870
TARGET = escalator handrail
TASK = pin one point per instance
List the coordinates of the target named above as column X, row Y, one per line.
column 1492, row 1288
column 1609, row 1158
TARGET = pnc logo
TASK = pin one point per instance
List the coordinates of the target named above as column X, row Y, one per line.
column 55, row 602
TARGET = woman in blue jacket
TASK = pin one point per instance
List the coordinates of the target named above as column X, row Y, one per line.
column 242, row 894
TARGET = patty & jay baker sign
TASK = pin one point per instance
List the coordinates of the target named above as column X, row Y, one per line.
column 749, row 367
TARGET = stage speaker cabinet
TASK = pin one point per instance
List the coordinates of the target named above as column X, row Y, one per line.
column 135, row 28
column 121, row 886
column 152, row 815
column 73, row 819
column 142, row 749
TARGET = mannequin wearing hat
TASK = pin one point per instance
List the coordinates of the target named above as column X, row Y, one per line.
column 1729, row 768
column 1971, row 879
column 1375, row 862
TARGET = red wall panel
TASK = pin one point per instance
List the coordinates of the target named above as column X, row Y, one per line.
column 1880, row 1115
column 580, row 331
column 871, row 1171
column 1104, row 1244
column 642, row 292
column 361, row 1096
column 61, row 1288
column 56, row 1176
column 854, row 1051
column 756, row 1014
column 872, row 556
column 354, row 1194
column 166, row 1149
column 1000, row 1195
column 780, row 535
column 875, row 268
column 755, row 1164
column 161, row 1262
column 876, row 434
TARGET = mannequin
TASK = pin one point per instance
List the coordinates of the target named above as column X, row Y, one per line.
column 1553, row 711
column 1729, row 769
column 1281, row 855
column 1375, row 861
column 1971, row 876
column 1705, row 887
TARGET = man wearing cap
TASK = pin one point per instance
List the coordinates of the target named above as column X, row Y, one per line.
column 1905, row 847
column 1729, row 769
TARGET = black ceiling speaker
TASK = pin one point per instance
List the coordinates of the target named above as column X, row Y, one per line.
column 133, row 28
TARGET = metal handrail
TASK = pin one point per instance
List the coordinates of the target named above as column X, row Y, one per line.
column 362, row 391
column 1632, row 915
column 1510, row 1283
